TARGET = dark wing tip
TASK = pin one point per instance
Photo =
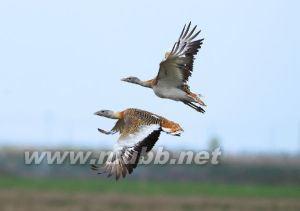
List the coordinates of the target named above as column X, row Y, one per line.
column 182, row 31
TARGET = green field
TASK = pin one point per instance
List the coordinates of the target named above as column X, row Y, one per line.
column 151, row 188
column 28, row 194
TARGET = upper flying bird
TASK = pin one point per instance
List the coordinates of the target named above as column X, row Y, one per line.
column 139, row 131
column 175, row 70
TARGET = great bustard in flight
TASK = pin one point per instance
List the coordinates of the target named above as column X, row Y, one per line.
column 139, row 131
column 175, row 70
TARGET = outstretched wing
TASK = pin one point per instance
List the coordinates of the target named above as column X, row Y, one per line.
column 135, row 141
column 176, row 69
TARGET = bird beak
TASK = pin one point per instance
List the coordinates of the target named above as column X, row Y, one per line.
column 97, row 113
column 124, row 79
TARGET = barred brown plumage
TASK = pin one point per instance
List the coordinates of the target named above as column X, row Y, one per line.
column 139, row 131
column 175, row 70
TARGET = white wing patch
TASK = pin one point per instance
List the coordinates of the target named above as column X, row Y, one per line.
column 142, row 133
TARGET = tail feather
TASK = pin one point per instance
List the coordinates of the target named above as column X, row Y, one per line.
column 196, row 98
column 171, row 128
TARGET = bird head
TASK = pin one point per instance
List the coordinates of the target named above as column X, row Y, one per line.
column 131, row 79
column 107, row 114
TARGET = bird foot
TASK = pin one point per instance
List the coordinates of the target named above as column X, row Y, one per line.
column 104, row 131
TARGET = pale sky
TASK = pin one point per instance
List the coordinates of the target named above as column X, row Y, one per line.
column 60, row 61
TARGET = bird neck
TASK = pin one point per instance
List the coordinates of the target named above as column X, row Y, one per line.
column 147, row 84
column 118, row 115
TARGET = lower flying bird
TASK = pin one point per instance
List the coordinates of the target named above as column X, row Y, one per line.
column 175, row 70
column 139, row 131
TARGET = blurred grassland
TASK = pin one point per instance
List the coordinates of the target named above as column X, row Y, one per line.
column 263, row 183
column 30, row 194
column 150, row 187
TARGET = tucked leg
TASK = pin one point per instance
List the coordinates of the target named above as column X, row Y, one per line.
column 106, row 132
column 197, row 108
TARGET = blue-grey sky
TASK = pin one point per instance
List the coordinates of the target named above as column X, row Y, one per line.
column 60, row 61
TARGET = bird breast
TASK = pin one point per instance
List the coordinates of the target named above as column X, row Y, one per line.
column 169, row 93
